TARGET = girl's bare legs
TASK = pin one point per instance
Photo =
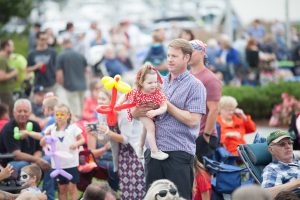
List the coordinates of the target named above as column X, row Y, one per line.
column 73, row 191
column 150, row 128
column 142, row 143
column 62, row 191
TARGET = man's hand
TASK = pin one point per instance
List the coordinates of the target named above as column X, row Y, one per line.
column 141, row 111
column 43, row 164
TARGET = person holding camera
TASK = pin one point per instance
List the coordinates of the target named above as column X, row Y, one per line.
column 234, row 124
column 119, row 147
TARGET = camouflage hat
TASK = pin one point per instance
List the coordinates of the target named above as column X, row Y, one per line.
column 276, row 136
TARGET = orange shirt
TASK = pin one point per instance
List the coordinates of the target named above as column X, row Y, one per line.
column 238, row 125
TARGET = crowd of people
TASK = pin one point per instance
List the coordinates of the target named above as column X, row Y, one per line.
column 155, row 150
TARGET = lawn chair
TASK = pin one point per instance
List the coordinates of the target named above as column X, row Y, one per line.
column 89, row 169
column 226, row 178
column 255, row 157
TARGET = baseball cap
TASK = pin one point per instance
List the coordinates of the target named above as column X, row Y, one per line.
column 198, row 45
column 38, row 88
column 276, row 136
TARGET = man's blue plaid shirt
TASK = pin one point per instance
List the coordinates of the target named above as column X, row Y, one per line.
column 277, row 173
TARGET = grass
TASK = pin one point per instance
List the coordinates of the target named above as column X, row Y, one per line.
column 20, row 41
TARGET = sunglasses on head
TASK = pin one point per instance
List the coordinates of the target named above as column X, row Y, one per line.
column 163, row 193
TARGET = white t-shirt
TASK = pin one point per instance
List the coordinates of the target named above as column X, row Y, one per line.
column 65, row 139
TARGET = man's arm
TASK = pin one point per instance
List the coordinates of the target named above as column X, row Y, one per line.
column 7, row 76
column 284, row 187
column 185, row 117
column 60, row 76
column 162, row 109
column 34, row 67
column 25, row 156
column 211, row 116
column 7, row 196
column 44, row 165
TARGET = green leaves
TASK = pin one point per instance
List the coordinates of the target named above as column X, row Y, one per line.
column 20, row 8
column 259, row 101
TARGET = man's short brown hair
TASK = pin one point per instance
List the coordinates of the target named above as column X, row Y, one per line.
column 183, row 45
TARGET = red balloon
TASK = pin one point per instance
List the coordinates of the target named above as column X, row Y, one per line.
column 111, row 109
column 125, row 106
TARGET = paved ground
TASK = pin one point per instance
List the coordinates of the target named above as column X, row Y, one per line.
column 263, row 130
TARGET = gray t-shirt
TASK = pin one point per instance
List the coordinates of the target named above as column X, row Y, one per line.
column 46, row 75
column 73, row 66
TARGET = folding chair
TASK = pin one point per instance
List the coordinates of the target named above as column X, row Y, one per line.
column 88, row 169
column 255, row 157
column 226, row 178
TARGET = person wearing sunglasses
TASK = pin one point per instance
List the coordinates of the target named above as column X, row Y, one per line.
column 162, row 189
column 283, row 173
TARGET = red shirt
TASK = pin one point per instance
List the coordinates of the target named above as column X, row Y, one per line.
column 137, row 96
column 213, row 88
column 89, row 107
column 2, row 123
column 239, row 125
column 202, row 181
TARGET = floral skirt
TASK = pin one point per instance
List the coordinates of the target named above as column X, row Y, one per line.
column 131, row 174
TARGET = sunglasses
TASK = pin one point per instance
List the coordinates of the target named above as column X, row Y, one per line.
column 163, row 193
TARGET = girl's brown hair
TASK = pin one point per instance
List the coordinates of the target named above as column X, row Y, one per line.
column 147, row 68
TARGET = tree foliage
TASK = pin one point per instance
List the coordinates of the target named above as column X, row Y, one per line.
column 8, row 8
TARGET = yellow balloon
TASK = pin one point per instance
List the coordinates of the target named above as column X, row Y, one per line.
column 123, row 87
column 105, row 79
column 118, row 77
column 110, row 84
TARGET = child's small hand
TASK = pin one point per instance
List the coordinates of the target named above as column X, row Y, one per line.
column 151, row 114
column 73, row 146
column 107, row 145
column 7, row 171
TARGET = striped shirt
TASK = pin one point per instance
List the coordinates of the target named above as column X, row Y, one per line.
column 186, row 93
column 278, row 173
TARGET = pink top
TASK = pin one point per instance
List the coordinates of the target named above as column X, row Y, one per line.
column 89, row 107
column 213, row 88
column 3, row 122
column 140, row 98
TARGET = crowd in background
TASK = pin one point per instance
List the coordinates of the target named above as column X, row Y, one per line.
column 253, row 59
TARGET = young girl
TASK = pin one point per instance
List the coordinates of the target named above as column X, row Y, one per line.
column 202, row 186
column 69, row 139
column 148, row 91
